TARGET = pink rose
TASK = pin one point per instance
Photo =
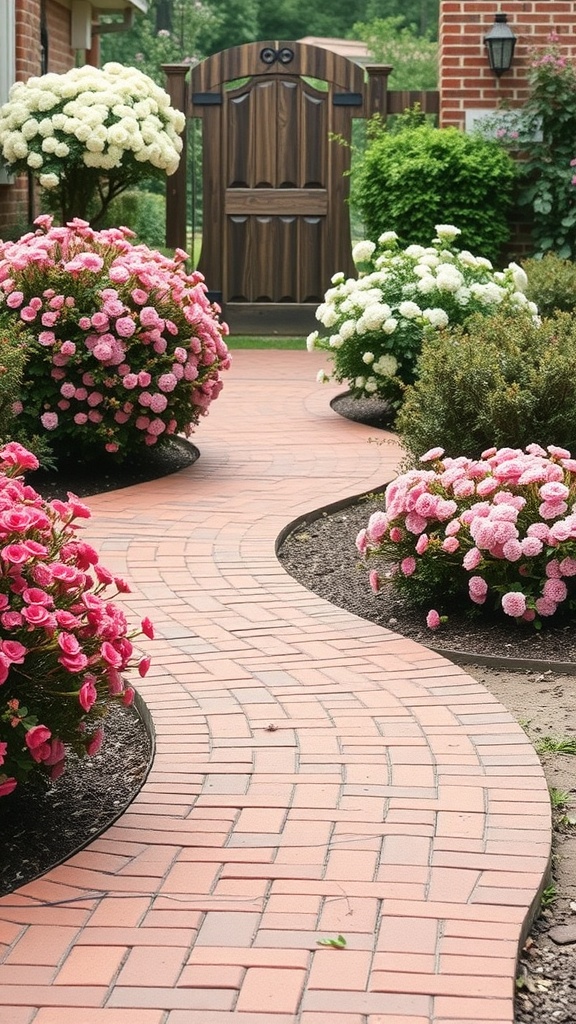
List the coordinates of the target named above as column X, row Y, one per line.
column 87, row 694
column 36, row 736
column 7, row 787
column 433, row 619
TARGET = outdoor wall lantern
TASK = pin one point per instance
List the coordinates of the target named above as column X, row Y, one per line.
column 500, row 42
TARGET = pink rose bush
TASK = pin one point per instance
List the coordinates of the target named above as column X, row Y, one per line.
column 127, row 348
column 65, row 647
column 373, row 326
column 498, row 531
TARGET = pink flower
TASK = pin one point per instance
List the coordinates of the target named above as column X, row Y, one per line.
column 95, row 742
column 432, row 454
column 545, row 607
column 477, row 588
column 167, row 382
column 396, row 534
column 125, row 327
column 49, row 420
column 555, row 590
column 514, row 604
column 130, row 381
column 143, row 666
column 408, row 566
column 37, row 736
column 531, row 547
column 362, row 541
column 433, row 619
column 554, row 491
column 7, row 786
column 158, row 403
column 374, row 580
column 148, row 628
column 87, row 694
column 568, row 566
column 144, row 379
column 422, row 543
column 129, row 695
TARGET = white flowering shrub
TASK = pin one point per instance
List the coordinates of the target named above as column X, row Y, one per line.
column 373, row 326
column 88, row 135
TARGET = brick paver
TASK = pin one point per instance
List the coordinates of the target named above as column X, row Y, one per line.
column 315, row 774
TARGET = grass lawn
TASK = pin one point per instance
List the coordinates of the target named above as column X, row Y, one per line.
column 239, row 341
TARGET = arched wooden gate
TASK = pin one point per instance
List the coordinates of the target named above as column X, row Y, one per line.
column 276, row 224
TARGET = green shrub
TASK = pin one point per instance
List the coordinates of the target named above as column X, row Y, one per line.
column 14, row 342
column 498, row 380
column 551, row 283
column 411, row 179
column 142, row 212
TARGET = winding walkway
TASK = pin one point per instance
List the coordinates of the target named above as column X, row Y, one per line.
column 315, row 774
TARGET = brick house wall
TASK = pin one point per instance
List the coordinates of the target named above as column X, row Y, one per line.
column 16, row 205
column 466, row 82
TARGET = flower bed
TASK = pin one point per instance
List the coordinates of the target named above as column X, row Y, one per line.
column 65, row 647
column 127, row 347
column 499, row 530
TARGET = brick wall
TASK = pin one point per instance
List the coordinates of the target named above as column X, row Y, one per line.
column 466, row 81
column 14, row 199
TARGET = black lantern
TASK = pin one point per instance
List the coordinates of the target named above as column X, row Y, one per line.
column 500, row 42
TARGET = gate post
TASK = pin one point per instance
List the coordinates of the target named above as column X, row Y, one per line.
column 177, row 183
column 377, row 89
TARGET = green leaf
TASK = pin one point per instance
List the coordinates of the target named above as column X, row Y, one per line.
column 337, row 943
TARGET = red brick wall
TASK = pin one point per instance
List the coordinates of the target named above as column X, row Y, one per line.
column 466, row 81
column 14, row 198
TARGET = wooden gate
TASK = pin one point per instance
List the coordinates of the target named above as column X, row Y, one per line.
column 276, row 223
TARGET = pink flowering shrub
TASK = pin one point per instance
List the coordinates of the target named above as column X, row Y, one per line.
column 64, row 645
column 498, row 531
column 128, row 350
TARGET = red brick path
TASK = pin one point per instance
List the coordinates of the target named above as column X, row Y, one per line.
column 315, row 775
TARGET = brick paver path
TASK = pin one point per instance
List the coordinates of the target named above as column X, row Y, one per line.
column 315, row 775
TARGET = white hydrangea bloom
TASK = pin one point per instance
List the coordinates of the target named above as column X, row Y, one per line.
column 336, row 341
column 409, row 310
column 426, row 284
column 390, row 325
column 519, row 277
column 311, row 340
column 483, row 262
column 368, row 358
column 467, row 259
column 347, row 329
column 49, row 180
column 322, row 376
column 362, row 251
column 447, row 232
column 387, row 236
column 448, row 278
column 415, row 250
column 386, row 366
column 422, row 270
column 436, row 317
column 429, row 260
column 359, row 382
column 371, row 385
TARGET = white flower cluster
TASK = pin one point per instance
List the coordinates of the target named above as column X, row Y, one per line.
column 91, row 115
column 379, row 319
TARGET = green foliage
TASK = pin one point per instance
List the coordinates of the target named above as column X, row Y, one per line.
column 14, row 342
column 166, row 34
column 413, row 58
column 413, row 178
column 142, row 212
column 551, row 283
column 498, row 380
column 549, row 175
